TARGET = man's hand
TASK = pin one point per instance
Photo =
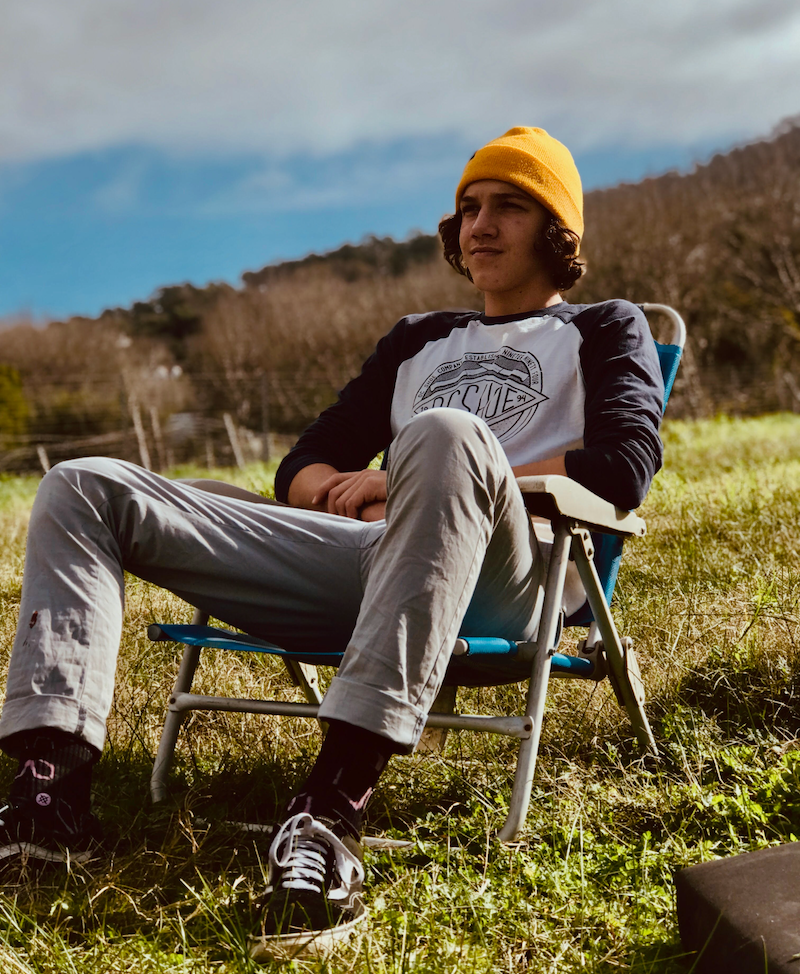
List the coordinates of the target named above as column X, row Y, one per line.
column 360, row 494
column 373, row 512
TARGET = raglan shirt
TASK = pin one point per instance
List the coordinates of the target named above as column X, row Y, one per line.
column 579, row 380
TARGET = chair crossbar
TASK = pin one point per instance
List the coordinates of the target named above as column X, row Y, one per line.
column 575, row 666
column 485, row 646
column 180, row 703
column 210, row 637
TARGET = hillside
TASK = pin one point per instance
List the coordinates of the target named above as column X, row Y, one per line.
column 721, row 244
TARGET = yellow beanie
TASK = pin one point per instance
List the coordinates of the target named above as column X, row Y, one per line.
column 536, row 163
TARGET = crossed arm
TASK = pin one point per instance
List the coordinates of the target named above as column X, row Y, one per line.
column 361, row 494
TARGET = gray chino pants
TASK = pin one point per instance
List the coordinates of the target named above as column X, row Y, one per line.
column 456, row 553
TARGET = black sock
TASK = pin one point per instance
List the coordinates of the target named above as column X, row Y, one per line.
column 344, row 774
column 54, row 767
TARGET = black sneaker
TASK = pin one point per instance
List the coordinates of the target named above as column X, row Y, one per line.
column 314, row 893
column 52, row 835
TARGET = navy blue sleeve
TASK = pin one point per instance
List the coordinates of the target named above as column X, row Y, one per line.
column 622, row 450
column 351, row 432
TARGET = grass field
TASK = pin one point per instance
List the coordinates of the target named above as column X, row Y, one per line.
column 711, row 597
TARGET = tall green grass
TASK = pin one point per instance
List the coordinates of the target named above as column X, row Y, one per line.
column 710, row 597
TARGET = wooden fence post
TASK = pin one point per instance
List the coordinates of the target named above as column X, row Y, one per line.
column 264, row 389
column 234, row 438
column 136, row 416
column 158, row 439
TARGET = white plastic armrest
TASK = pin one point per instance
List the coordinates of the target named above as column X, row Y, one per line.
column 552, row 495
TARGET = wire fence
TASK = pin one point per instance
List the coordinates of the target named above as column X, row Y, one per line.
column 214, row 421
column 189, row 439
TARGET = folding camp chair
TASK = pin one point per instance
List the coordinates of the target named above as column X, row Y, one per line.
column 586, row 528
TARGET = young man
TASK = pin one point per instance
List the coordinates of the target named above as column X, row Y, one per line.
column 389, row 566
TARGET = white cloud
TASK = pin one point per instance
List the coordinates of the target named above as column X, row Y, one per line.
column 320, row 77
column 276, row 188
column 121, row 193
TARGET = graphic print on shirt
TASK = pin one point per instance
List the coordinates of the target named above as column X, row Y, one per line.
column 502, row 387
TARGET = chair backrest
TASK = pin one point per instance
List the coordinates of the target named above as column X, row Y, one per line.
column 608, row 547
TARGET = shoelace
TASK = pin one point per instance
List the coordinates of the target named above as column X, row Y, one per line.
column 299, row 850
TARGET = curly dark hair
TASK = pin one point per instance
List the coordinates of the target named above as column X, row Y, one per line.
column 557, row 246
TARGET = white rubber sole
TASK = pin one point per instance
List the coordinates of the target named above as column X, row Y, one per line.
column 313, row 943
column 30, row 850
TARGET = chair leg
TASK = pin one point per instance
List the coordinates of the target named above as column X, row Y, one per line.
column 537, row 688
column 622, row 661
column 622, row 665
column 173, row 719
column 529, row 749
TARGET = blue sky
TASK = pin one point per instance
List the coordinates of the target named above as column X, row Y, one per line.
column 148, row 142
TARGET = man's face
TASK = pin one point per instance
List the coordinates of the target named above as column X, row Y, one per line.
column 499, row 228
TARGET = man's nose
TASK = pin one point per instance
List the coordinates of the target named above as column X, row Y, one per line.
column 484, row 222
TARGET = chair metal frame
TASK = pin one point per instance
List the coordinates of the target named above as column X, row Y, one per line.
column 579, row 520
